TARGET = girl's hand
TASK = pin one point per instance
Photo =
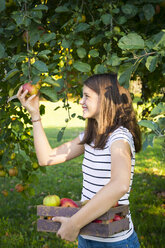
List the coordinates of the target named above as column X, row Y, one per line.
column 68, row 230
column 31, row 103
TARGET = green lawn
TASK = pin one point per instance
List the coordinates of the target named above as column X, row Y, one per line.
column 18, row 215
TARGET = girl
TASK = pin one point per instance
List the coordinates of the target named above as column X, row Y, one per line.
column 109, row 142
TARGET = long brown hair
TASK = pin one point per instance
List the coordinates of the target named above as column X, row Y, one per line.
column 115, row 110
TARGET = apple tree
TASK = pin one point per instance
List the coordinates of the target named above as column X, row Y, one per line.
column 59, row 44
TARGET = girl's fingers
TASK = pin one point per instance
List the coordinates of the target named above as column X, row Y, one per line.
column 19, row 92
column 23, row 95
column 31, row 97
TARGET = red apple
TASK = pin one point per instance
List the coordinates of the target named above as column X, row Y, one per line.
column 51, row 200
column 117, row 217
column 66, row 202
column 97, row 221
column 32, row 89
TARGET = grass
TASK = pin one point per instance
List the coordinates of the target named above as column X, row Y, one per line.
column 18, row 215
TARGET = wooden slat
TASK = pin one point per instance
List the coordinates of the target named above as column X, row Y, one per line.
column 93, row 229
column 68, row 212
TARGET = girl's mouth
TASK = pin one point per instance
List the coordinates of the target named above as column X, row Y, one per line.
column 84, row 108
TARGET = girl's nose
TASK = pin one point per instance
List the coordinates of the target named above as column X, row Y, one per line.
column 81, row 101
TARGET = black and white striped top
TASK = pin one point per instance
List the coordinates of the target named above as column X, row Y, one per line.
column 96, row 169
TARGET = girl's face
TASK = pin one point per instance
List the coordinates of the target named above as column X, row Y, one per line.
column 90, row 103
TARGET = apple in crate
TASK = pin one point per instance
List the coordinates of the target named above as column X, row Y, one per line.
column 51, row 200
column 66, row 202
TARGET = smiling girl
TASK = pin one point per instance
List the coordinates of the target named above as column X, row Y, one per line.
column 109, row 143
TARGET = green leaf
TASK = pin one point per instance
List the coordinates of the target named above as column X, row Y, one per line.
column 18, row 16
column 106, row 19
column 10, row 74
column 2, row 51
column 36, row 16
column 121, row 20
column 60, row 134
column 149, row 124
column 129, row 9
column 149, row 11
column 2, row 5
column 66, row 43
column 100, row 69
column 114, row 60
column 159, row 109
column 40, row 66
column 131, row 41
column 81, row 52
column 159, row 40
column 80, row 66
column 161, row 123
column 34, row 36
column 17, row 126
column 79, row 42
column 51, row 81
column 82, row 27
column 44, row 52
column 47, row 37
column 96, row 39
column 93, row 53
column 148, row 141
column 124, row 74
column 151, row 63
column 61, row 9
column 49, row 93
column 40, row 7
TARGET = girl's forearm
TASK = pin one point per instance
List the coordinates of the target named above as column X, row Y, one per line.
column 41, row 143
column 99, row 204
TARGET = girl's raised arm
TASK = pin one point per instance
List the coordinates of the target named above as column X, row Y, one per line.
column 45, row 154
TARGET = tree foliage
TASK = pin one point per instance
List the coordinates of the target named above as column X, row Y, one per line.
column 63, row 42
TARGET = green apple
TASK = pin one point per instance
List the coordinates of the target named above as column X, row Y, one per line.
column 2, row 173
column 35, row 165
column 51, row 200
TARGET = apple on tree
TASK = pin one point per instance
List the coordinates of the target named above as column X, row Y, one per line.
column 33, row 89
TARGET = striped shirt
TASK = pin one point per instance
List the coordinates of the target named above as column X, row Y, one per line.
column 96, row 169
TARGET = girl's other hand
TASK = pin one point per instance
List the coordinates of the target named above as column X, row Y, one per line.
column 30, row 103
column 68, row 230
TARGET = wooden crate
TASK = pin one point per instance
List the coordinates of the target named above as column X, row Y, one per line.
column 104, row 229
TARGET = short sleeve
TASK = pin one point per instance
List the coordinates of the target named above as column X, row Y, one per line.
column 122, row 134
column 81, row 136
